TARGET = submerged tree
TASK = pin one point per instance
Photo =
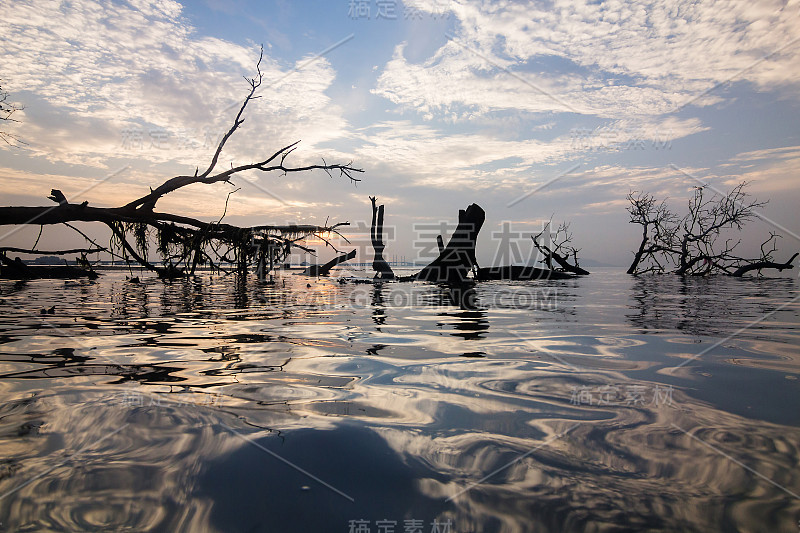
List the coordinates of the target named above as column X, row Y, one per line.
column 182, row 242
column 698, row 243
column 659, row 229
column 557, row 254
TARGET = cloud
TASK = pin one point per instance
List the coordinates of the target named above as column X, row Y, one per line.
column 609, row 59
column 784, row 152
column 771, row 171
column 431, row 157
column 111, row 71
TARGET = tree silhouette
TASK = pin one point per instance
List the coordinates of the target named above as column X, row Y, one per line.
column 698, row 243
column 182, row 242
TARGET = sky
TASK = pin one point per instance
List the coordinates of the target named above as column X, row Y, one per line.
column 532, row 110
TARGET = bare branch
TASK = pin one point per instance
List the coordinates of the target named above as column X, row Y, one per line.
column 184, row 242
column 6, row 110
column 148, row 201
column 560, row 251
column 697, row 243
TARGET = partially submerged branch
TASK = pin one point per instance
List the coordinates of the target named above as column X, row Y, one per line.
column 560, row 245
column 184, row 242
column 16, row 269
column 324, row 270
column 761, row 265
column 5, row 249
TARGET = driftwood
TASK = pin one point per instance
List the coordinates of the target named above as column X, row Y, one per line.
column 183, row 242
column 379, row 264
column 49, row 272
column 457, row 259
column 518, row 273
column 4, row 249
column 324, row 270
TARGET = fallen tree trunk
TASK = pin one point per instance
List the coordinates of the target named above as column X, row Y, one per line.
column 567, row 267
column 48, row 272
column 458, row 257
column 519, row 273
column 324, row 270
column 52, row 252
column 739, row 272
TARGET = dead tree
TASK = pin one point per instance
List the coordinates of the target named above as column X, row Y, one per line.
column 379, row 264
column 560, row 252
column 698, row 243
column 659, row 230
column 457, row 259
column 530, row 272
column 183, row 242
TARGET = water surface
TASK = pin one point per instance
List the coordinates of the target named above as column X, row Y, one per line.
column 607, row 403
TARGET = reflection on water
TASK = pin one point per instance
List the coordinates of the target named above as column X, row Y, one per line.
column 704, row 306
column 228, row 404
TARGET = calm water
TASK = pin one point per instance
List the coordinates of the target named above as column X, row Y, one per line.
column 600, row 404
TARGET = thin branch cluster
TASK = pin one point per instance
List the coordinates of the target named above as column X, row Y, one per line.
column 6, row 110
column 701, row 241
column 559, row 250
